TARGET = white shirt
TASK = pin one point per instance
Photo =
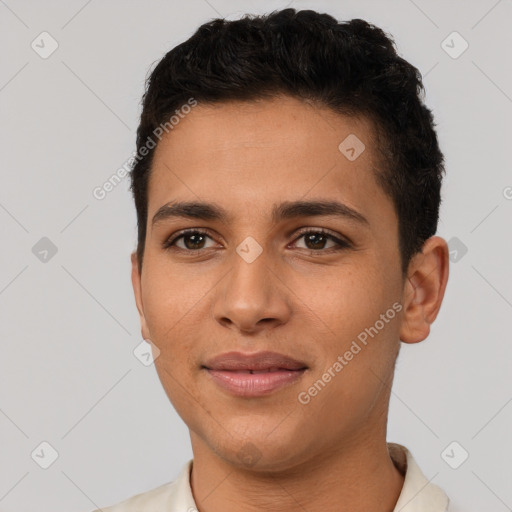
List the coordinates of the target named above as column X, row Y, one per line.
column 417, row 495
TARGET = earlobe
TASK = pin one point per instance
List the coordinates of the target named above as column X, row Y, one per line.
column 137, row 291
column 424, row 290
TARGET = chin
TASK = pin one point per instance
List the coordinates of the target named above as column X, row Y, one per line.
column 260, row 452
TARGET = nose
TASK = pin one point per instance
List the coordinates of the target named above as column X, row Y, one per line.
column 252, row 297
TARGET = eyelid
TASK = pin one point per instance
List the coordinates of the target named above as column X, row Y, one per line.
column 169, row 241
column 341, row 241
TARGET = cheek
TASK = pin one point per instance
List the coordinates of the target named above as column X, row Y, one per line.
column 173, row 332
column 177, row 366
column 352, row 384
column 348, row 302
column 167, row 299
column 360, row 311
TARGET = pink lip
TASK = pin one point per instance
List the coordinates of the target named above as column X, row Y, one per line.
column 233, row 371
column 245, row 384
column 263, row 360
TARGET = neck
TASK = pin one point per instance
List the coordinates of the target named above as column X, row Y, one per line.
column 359, row 477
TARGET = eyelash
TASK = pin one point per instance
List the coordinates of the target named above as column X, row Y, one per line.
column 342, row 244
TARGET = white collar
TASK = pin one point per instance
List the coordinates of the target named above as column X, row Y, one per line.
column 418, row 493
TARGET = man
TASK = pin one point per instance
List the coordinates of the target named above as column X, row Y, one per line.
column 287, row 185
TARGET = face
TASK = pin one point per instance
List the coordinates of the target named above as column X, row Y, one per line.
column 307, row 282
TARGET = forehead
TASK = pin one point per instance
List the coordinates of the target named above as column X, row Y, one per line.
column 253, row 155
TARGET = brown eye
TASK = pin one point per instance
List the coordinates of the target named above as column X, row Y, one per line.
column 193, row 241
column 189, row 240
column 316, row 241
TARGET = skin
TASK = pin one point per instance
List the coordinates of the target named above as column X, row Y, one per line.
column 298, row 298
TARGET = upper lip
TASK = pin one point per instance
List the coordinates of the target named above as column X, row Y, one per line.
column 256, row 361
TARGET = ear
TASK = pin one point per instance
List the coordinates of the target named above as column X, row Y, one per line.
column 424, row 289
column 137, row 290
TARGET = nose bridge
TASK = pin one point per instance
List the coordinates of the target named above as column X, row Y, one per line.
column 250, row 293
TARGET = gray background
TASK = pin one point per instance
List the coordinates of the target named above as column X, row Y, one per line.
column 68, row 375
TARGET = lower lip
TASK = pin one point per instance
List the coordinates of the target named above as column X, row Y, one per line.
column 254, row 384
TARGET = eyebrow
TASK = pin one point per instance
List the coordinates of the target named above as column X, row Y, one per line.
column 283, row 211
